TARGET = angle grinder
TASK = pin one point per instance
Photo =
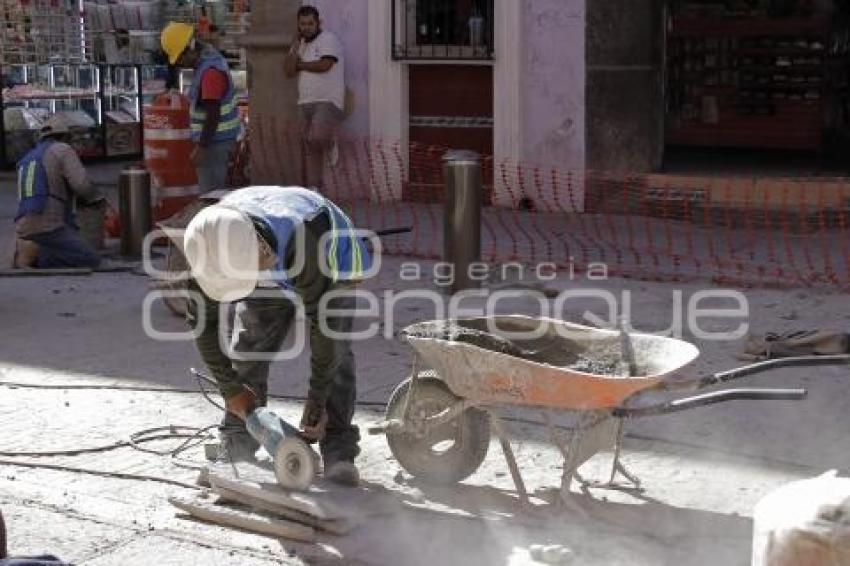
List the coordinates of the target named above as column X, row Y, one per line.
column 295, row 463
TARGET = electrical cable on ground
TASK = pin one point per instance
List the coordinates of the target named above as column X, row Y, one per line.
column 199, row 376
column 77, row 452
column 191, row 440
column 73, row 387
column 192, row 436
column 135, row 440
column 198, row 435
column 118, row 475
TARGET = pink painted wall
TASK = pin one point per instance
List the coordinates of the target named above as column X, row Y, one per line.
column 349, row 20
column 553, row 78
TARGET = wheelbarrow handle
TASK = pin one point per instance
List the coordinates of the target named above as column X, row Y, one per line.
column 393, row 231
column 380, row 234
column 759, row 367
column 748, row 394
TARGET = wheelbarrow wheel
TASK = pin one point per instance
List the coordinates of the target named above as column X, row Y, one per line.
column 447, row 453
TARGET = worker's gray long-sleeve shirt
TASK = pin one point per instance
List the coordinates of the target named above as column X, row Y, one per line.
column 67, row 179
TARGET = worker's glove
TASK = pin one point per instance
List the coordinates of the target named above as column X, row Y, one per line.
column 242, row 404
column 314, row 420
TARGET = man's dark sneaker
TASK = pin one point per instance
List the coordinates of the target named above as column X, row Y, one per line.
column 342, row 472
column 239, row 447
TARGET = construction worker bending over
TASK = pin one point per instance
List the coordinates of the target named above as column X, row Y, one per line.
column 51, row 178
column 298, row 244
column 215, row 118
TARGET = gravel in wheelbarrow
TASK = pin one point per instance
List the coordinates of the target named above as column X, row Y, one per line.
column 603, row 358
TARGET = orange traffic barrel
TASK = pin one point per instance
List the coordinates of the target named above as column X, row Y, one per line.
column 167, row 147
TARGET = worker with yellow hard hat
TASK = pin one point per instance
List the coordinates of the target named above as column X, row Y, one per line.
column 215, row 119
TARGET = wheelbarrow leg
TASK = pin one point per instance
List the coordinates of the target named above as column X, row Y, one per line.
column 509, row 457
column 617, row 466
column 564, row 496
column 563, row 448
column 596, row 431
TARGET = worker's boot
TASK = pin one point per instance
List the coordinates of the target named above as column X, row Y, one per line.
column 236, row 446
column 26, row 254
column 342, row 472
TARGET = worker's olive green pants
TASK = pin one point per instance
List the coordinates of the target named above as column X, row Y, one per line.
column 260, row 325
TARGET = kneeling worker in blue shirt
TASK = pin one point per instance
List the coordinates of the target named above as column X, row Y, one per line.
column 51, row 180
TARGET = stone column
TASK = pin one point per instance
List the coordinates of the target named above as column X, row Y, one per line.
column 275, row 145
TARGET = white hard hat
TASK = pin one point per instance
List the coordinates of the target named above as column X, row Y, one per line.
column 55, row 125
column 222, row 249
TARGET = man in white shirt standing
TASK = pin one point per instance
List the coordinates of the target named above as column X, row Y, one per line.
column 317, row 60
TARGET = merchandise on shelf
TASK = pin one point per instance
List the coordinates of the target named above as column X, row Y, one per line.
column 101, row 102
column 33, row 92
column 122, row 32
column 153, row 86
column 21, row 127
column 125, row 31
column 29, row 119
column 38, row 31
column 746, row 81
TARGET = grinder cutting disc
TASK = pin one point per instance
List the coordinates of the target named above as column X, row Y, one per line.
column 294, row 464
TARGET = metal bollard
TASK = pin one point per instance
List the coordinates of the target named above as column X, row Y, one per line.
column 462, row 221
column 134, row 204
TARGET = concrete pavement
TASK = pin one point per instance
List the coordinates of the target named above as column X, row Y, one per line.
column 703, row 470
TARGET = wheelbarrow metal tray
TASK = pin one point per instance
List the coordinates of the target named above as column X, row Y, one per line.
column 486, row 376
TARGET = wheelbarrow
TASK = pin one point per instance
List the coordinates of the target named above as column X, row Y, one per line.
column 439, row 420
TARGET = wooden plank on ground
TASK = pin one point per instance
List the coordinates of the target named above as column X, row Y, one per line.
column 229, row 517
column 297, row 501
column 335, row 526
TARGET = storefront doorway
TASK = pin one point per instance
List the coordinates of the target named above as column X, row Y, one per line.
column 451, row 106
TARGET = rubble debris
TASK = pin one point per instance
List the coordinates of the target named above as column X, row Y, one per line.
column 206, row 510
column 603, row 358
column 334, row 527
column 296, row 501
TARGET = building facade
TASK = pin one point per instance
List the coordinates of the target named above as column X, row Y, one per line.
column 502, row 77
column 564, row 84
